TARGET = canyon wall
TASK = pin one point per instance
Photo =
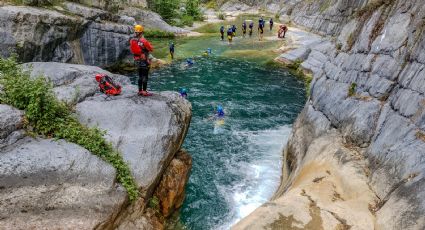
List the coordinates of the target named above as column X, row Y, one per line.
column 356, row 155
column 74, row 33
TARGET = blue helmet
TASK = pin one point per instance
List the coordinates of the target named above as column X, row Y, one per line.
column 220, row 111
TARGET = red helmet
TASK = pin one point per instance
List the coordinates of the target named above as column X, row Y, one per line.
column 99, row 77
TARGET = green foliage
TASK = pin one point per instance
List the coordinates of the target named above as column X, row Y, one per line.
column 154, row 203
column 166, row 8
column 158, row 34
column 192, row 9
column 52, row 118
column 352, row 89
column 187, row 20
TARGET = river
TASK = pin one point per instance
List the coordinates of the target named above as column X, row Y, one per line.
column 236, row 164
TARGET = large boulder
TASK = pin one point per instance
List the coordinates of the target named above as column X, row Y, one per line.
column 46, row 183
column 73, row 33
column 35, row 34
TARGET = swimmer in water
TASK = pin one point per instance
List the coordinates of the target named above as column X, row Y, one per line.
column 183, row 92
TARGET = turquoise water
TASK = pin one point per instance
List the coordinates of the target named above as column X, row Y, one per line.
column 236, row 165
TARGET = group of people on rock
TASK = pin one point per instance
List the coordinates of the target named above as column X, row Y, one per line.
column 231, row 30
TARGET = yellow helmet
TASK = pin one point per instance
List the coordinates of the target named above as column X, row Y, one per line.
column 138, row 28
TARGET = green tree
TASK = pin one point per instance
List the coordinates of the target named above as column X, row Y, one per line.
column 165, row 8
column 192, row 8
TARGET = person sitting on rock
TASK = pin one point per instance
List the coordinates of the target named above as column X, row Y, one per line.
column 140, row 47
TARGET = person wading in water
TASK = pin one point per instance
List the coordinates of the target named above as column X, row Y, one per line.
column 222, row 32
column 140, row 47
column 244, row 28
column 251, row 26
column 261, row 24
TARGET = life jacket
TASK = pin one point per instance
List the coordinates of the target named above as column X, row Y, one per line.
column 140, row 48
column 107, row 85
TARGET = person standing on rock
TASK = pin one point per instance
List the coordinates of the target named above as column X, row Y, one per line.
column 141, row 48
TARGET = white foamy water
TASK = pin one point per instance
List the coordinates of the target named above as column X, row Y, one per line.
column 260, row 177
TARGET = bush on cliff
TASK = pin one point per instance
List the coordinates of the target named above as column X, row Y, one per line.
column 48, row 116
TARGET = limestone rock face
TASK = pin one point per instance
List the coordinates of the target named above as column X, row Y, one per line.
column 367, row 99
column 35, row 33
column 47, row 183
column 73, row 33
column 170, row 191
column 150, row 19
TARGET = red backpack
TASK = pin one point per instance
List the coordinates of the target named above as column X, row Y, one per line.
column 107, row 85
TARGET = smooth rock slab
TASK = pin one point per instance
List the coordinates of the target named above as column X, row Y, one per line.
column 46, row 184
column 148, row 131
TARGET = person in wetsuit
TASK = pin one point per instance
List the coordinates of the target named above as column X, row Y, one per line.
column 271, row 24
column 244, row 28
column 230, row 35
column 222, row 32
column 142, row 59
column 234, row 30
column 261, row 24
column 251, row 26
column 172, row 50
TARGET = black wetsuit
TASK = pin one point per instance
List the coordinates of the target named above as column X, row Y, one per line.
column 222, row 32
column 261, row 26
column 251, row 25
column 244, row 29
column 271, row 24
column 172, row 51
